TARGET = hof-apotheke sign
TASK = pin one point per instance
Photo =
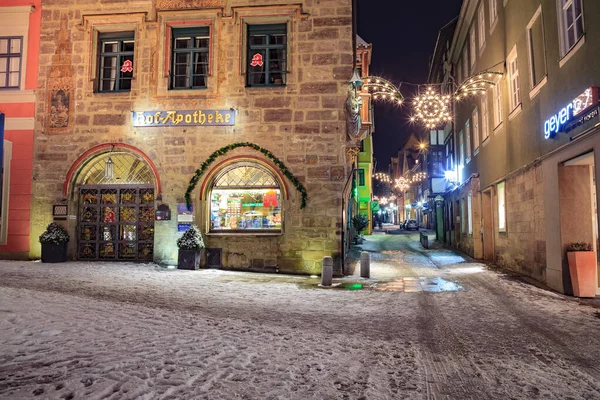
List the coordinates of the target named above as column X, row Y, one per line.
column 583, row 106
column 183, row 118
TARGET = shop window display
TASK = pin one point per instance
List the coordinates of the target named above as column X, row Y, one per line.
column 244, row 199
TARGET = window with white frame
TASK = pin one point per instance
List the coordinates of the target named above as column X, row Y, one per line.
column 493, row 12
column 571, row 24
column 536, row 48
column 501, row 206
column 470, row 212
column 465, row 60
column 481, row 22
column 461, row 147
column 485, row 128
column 11, row 51
column 473, row 48
column 475, row 120
column 513, row 79
column 497, row 103
column 468, row 138
column 463, row 216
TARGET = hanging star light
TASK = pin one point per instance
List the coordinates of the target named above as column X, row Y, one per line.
column 402, row 184
column 431, row 108
column 477, row 84
column 382, row 89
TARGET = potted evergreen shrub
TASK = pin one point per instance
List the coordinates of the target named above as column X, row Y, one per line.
column 190, row 249
column 582, row 268
column 54, row 243
column 360, row 223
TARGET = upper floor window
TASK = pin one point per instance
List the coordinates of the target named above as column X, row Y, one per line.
column 475, row 119
column 571, row 23
column 537, row 51
column 449, row 155
column 11, row 49
column 267, row 55
column 493, row 13
column 485, row 128
column 190, row 58
column 361, row 177
column 472, row 48
column 513, row 79
column 461, row 148
column 116, row 61
column 468, row 138
column 497, row 103
column 481, row 22
column 465, row 60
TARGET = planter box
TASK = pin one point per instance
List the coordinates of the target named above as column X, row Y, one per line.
column 582, row 267
column 54, row 253
column 189, row 259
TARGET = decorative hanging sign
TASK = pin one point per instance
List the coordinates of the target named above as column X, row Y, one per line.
column 184, row 118
column 257, row 60
column 127, row 66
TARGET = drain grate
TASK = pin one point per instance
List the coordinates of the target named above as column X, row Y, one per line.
column 213, row 258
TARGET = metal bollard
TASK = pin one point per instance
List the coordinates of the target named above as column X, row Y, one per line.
column 327, row 272
column 365, row 264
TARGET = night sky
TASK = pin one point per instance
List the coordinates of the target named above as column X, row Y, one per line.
column 403, row 34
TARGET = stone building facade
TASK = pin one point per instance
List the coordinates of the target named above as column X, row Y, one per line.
column 530, row 140
column 135, row 96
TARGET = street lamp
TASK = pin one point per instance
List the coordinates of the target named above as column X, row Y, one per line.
column 356, row 81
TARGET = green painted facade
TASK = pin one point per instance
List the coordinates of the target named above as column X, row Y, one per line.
column 364, row 180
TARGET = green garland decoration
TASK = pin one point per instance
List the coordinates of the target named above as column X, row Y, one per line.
column 224, row 150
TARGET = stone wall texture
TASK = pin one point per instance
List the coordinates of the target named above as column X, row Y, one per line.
column 301, row 121
column 522, row 247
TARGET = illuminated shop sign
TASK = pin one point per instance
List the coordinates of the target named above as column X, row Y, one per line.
column 565, row 119
column 184, row 118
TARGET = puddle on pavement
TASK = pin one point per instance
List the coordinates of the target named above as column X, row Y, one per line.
column 419, row 284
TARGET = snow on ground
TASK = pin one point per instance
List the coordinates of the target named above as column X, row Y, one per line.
column 137, row 331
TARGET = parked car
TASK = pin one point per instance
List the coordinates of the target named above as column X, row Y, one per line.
column 403, row 224
column 412, row 225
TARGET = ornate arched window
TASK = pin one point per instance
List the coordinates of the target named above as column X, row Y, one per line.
column 245, row 197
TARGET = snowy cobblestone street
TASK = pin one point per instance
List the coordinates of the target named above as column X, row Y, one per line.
column 428, row 325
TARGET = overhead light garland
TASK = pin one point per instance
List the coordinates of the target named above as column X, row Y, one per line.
column 382, row 177
column 382, row 89
column 477, row 84
column 431, row 108
column 419, row 176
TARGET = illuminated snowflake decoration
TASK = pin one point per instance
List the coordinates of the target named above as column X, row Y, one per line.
column 402, row 184
column 477, row 84
column 382, row 89
column 431, row 108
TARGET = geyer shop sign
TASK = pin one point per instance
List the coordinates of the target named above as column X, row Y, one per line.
column 583, row 106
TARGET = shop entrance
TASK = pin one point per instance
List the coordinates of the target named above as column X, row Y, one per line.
column 116, row 204
column 578, row 208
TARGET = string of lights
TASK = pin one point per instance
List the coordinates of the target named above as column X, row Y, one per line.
column 382, row 89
